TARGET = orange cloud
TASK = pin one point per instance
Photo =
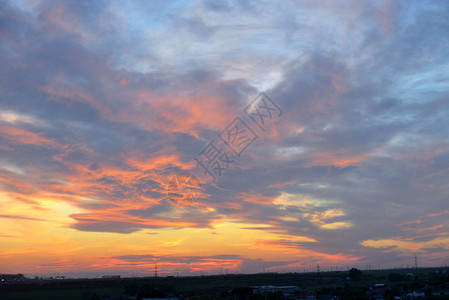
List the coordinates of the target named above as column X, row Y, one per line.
column 21, row 136
column 185, row 114
column 338, row 159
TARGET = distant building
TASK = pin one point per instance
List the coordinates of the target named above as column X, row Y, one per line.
column 378, row 291
column 328, row 297
column 12, row 277
column 306, row 295
column 415, row 295
column 111, row 277
column 273, row 289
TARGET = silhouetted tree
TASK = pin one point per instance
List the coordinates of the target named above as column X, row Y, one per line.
column 355, row 274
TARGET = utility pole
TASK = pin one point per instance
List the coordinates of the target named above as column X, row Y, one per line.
column 416, row 266
column 155, row 271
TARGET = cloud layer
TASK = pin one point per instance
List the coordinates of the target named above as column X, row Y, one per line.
column 102, row 104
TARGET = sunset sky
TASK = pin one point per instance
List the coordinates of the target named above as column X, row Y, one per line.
column 102, row 103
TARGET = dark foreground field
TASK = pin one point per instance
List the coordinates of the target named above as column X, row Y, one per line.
column 220, row 286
